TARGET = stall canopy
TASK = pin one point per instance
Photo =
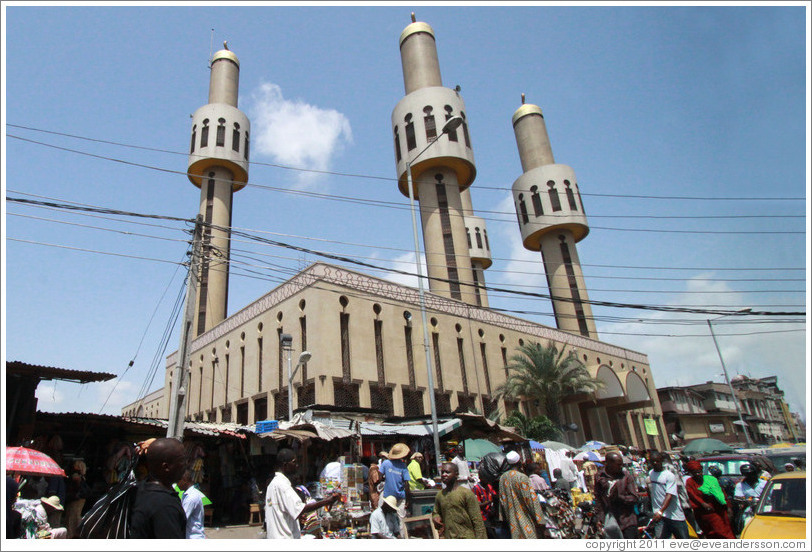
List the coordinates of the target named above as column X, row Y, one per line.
column 420, row 428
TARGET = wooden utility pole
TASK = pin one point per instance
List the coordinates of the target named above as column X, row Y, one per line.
column 177, row 402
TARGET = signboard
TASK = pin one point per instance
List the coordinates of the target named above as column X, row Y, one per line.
column 651, row 427
column 716, row 428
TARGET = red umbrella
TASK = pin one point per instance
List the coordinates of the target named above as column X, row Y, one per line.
column 31, row 462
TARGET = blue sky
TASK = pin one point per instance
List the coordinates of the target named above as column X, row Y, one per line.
column 654, row 101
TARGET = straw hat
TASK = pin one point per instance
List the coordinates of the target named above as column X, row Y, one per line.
column 53, row 502
column 417, row 456
column 392, row 501
column 398, row 451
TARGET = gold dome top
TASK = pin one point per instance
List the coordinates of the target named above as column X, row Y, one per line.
column 526, row 109
column 413, row 28
column 225, row 54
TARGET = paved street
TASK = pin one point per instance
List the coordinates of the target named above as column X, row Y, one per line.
column 235, row 532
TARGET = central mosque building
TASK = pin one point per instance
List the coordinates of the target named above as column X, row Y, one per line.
column 366, row 333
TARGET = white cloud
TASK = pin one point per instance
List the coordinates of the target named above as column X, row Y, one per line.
column 525, row 267
column 295, row 133
column 61, row 396
column 406, row 263
column 691, row 356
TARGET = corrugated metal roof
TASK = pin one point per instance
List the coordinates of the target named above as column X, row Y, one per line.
column 51, row 372
column 200, row 428
column 417, row 429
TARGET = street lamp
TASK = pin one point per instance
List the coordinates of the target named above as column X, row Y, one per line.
column 452, row 124
column 724, row 369
column 286, row 342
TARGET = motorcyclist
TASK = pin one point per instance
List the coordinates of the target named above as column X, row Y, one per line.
column 751, row 486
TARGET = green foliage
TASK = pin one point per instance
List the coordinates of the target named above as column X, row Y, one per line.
column 539, row 428
column 547, row 375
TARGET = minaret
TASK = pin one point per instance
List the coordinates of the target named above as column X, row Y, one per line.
column 443, row 172
column 218, row 165
column 479, row 247
column 552, row 220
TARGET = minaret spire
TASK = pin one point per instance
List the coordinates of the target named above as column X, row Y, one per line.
column 218, row 165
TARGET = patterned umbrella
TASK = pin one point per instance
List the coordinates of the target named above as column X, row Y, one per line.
column 31, row 462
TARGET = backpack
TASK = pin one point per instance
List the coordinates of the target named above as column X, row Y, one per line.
column 109, row 516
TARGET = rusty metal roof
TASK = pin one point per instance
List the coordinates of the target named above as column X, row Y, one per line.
column 53, row 373
column 200, row 428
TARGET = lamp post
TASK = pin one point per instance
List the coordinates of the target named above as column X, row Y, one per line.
column 449, row 125
column 304, row 356
column 724, row 369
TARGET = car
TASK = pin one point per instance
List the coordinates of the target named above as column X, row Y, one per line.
column 781, row 456
column 730, row 466
column 781, row 510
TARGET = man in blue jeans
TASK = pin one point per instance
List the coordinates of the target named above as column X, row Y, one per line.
column 396, row 480
column 668, row 518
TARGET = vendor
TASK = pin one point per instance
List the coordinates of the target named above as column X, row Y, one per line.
column 384, row 523
column 419, row 482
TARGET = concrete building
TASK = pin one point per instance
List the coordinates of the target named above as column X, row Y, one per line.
column 364, row 332
column 760, row 401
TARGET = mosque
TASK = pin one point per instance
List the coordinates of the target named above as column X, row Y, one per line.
column 375, row 352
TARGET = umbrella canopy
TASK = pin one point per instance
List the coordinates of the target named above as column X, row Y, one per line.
column 593, row 445
column 475, row 449
column 590, row 455
column 205, row 500
column 781, row 445
column 31, row 462
column 555, row 445
column 706, row 446
column 535, row 445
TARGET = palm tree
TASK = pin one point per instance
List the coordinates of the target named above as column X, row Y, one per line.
column 547, row 375
column 540, row 428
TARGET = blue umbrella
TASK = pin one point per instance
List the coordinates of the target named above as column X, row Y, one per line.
column 593, row 445
column 590, row 455
column 535, row 445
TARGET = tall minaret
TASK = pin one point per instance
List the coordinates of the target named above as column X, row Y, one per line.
column 218, row 165
column 552, row 220
column 443, row 172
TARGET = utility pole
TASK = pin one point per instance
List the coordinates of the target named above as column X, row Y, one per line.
column 177, row 402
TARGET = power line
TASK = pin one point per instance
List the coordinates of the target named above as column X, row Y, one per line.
column 390, row 179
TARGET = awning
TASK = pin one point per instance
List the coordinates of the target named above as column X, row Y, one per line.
column 412, row 429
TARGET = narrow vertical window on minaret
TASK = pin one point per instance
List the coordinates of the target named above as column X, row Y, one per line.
column 553, row 193
column 465, row 130
column 478, row 239
column 487, row 244
column 245, row 153
column 570, row 196
column 580, row 199
column 475, row 274
column 578, row 304
column 452, row 134
column 523, row 210
column 235, row 137
column 468, row 235
column 194, row 137
column 536, row 199
column 398, row 157
column 259, row 364
column 221, row 132
column 411, row 139
column 429, row 123
column 204, row 134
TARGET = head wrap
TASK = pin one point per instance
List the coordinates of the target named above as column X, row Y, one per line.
column 693, row 465
column 513, row 457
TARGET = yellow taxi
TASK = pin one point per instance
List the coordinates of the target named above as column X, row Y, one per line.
column 781, row 510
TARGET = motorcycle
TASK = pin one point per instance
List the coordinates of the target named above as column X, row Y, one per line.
column 742, row 510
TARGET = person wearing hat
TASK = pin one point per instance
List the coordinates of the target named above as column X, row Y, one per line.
column 418, row 482
column 384, row 523
column 789, row 467
column 519, row 503
column 708, row 501
column 456, row 509
column 396, row 480
column 51, row 506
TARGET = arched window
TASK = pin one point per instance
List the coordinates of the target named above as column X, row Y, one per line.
column 570, row 196
column 478, row 239
column 487, row 244
column 194, row 137
column 468, row 235
column 245, row 153
column 452, row 134
column 221, row 132
column 523, row 210
column 235, row 137
column 536, row 198
column 397, row 145
column 428, row 122
column 553, row 193
column 580, row 199
column 204, row 134
column 465, row 130
column 411, row 140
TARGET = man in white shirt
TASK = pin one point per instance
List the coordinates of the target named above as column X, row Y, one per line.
column 569, row 471
column 751, row 486
column 384, row 523
column 669, row 519
column 282, row 505
column 192, row 502
column 464, row 472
